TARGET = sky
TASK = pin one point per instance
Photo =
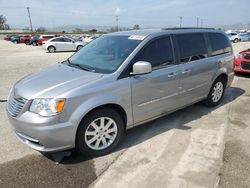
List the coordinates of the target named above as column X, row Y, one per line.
column 146, row 13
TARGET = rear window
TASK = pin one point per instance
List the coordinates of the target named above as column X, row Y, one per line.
column 48, row 37
column 58, row 40
column 191, row 47
column 219, row 43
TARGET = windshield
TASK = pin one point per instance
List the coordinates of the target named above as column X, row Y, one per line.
column 104, row 54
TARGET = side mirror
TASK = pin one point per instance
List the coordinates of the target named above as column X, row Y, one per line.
column 141, row 67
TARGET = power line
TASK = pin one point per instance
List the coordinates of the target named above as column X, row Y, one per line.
column 28, row 9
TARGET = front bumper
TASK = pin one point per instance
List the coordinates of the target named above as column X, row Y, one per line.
column 240, row 69
column 42, row 133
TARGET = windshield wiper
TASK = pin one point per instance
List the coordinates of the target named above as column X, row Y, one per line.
column 80, row 66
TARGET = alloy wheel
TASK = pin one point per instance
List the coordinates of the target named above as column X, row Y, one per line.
column 217, row 91
column 101, row 133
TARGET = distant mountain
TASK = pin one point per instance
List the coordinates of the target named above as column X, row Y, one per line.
column 70, row 28
column 238, row 26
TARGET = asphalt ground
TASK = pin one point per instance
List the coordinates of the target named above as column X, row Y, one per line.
column 183, row 149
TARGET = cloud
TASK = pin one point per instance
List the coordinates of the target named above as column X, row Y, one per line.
column 117, row 11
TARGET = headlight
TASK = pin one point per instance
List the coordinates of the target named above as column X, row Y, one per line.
column 47, row 107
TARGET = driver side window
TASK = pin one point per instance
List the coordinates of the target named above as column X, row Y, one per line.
column 159, row 53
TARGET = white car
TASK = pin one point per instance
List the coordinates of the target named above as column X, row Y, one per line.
column 233, row 36
column 88, row 40
column 62, row 44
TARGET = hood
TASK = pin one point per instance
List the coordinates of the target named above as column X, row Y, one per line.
column 53, row 81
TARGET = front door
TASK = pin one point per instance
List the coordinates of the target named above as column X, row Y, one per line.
column 157, row 92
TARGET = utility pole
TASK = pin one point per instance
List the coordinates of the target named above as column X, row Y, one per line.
column 117, row 26
column 28, row 9
column 197, row 21
column 181, row 21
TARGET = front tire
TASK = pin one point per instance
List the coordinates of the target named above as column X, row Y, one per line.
column 99, row 132
column 236, row 40
column 34, row 44
column 216, row 92
column 51, row 49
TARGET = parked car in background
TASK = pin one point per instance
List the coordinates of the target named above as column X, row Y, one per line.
column 62, row 44
column 85, row 37
column 117, row 82
column 89, row 39
column 15, row 39
column 25, row 39
column 8, row 37
column 242, row 62
column 44, row 38
column 34, row 40
column 244, row 36
column 233, row 36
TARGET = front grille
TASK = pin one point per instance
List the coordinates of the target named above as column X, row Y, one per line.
column 15, row 105
column 245, row 65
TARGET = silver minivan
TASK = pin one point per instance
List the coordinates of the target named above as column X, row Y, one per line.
column 116, row 82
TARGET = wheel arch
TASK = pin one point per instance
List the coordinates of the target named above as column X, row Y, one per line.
column 118, row 108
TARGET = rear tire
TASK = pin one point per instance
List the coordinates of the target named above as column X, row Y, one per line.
column 51, row 49
column 27, row 42
column 79, row 47
column 216, row 92
column 34, row 44
column 99, row 132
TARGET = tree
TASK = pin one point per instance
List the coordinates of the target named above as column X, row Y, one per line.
column 136, row 27
column 41, row 30
column 3, row 24
column 93, row 30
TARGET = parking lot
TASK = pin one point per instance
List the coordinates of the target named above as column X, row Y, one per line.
column 183, row 149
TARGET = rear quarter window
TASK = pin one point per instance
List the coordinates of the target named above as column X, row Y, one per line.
column 191, row 47
column 219, row 43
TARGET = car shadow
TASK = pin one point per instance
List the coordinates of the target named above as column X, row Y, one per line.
column 58, row 52
column 243, row 75
column 176, row 120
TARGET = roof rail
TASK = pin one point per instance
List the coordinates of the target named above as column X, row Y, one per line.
column 181, row 28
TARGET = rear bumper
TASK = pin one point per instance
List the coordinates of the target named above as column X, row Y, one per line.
column 230, row 79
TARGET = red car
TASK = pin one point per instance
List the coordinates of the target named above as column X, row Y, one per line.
column 25, row 39
column 242, row 62
column 44, row 38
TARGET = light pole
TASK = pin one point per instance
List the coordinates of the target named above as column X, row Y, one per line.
column 28, row 9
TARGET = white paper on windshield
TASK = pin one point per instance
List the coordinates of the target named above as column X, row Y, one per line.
column 136, row 37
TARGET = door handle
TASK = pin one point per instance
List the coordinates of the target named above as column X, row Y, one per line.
column 186, row 71
column 172, row 74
